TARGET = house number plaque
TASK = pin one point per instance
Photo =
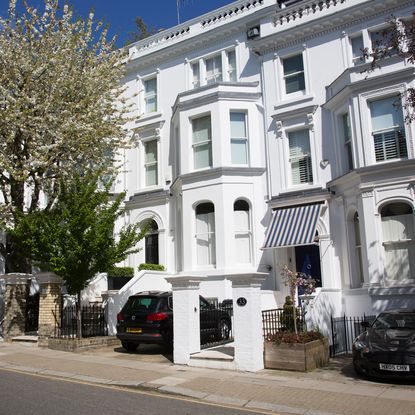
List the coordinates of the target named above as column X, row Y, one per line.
column 241, row 301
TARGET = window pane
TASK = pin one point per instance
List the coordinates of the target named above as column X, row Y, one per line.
column 357, row 49
column 390, row 145
column 386, row 113
column 300, row 157
column 201, row 129
column 293, row 64
column 202, row 156
column 205, row 234
column 214, row 69
column 150, row 95
column 150, row 151
column 238, row 125
column 243, row 248
column 151, row 175
column 295, row 83
column 232, row 66
column 239, row 151
column 241, row 219
column 196, row 74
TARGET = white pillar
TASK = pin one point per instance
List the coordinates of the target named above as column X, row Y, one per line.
column 186, row 327
column 249, row 343
column 112, row 308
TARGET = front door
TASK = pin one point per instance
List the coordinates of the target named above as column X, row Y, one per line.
column 307, row 261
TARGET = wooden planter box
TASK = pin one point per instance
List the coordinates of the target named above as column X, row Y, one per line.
column 299, row 357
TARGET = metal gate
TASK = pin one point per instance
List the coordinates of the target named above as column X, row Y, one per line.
column 343, row 331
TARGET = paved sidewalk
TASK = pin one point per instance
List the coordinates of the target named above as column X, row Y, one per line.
column 332, row 390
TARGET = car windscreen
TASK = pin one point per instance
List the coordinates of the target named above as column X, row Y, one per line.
column 146, row 304
column 395, row 321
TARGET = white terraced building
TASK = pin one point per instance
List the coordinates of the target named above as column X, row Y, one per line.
column 261, row 141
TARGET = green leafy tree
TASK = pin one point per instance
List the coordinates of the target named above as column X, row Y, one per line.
column 142, row 31
column 75, row 239
column 59, row 82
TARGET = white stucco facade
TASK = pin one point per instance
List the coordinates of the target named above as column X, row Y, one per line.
column 242, row 112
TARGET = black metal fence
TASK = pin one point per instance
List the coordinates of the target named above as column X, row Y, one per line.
column 216, row 326
column 344, row 330
column 92, row 322
column 276, row 320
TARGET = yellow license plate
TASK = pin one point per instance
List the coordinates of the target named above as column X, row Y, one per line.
column 134, row 330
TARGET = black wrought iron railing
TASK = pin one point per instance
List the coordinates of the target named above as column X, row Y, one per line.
column 93, row 322
column 343, row 332
column 278, row 319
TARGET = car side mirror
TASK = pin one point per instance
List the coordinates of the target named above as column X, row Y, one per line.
column 365, row 324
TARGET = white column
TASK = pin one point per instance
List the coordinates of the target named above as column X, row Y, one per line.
column 112, row 308
column 249, row 343
column 186, row 327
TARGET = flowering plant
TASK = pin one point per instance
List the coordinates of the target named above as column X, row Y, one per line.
column 293, row 280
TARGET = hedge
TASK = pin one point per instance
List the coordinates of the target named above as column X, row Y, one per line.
column 151, row 267
column 117, row 272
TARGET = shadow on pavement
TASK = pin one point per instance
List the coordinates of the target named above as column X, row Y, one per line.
column 151, row 350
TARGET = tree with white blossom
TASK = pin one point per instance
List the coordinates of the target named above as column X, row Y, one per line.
column 59, row 80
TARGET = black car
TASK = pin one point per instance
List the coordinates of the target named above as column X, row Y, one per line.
column 387, row 347
column 147, row 317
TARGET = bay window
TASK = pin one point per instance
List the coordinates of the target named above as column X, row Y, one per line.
column 388, row 129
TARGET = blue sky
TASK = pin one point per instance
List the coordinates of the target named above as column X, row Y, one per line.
column 120, row 14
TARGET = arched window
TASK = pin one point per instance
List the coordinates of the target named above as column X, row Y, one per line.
column 151, row 243
column 398, row 241
column 205, row 234
column 242, row 232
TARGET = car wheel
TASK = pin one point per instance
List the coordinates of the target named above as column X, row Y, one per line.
column 224, row 329
column 130, row 347
column 358, row 369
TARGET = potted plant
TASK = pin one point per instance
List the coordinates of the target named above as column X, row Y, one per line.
column 119, row 276
column 291, row 348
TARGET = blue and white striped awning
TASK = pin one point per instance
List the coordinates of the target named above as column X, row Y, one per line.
column 292, row 226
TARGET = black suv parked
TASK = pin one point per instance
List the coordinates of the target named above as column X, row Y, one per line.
column 147, row 317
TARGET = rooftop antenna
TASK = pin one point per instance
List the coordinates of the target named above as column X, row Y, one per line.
column 178, row 11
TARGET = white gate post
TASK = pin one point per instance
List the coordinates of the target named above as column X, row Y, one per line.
column 186, row 323
column 248, row 340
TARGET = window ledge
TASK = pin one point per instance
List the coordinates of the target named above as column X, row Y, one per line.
column 285, row 102
column 304, row 187
column 148, row 116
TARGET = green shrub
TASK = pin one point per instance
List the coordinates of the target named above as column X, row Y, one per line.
column 151, row 267
column 121, row 272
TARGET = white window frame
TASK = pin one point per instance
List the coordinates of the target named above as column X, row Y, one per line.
column 247, row 232
column 152, row 163
column 394, row 128
column 201, row 143
column 201, row 64
column 347, row 142
column 364, row 103
column 210, row 236
column 389, row 280
column 142, row 177
column 142, row 98
column 298, row 96
column 245, row 139
column 289, row 162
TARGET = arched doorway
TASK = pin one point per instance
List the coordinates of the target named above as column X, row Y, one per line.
column 151, row 243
